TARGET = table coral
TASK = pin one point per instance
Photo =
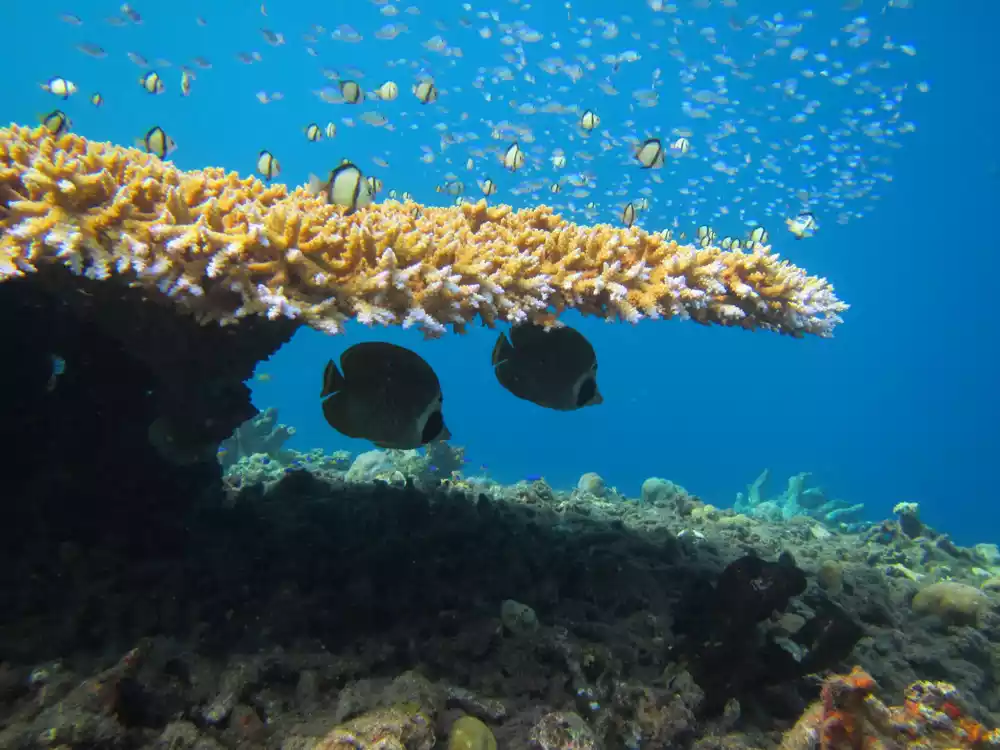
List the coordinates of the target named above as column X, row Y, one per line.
column 225, row 247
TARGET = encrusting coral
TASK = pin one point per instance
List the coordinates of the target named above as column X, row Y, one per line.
column 224, row 247
column 848, row 716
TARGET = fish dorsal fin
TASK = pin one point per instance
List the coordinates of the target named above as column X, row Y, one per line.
column 525, row 335
column 333, row 381
column 502, row 350
column 315, row 186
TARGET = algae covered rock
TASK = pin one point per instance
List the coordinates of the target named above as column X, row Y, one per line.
column 469, row 733
column 561, row 730
column 988, row 553
column 518, row 618
column 657, row 491
column 368, row 465
column 955, row 603
column 830, row 576
column 402, row 727
column 909, row 519
column 592, row 484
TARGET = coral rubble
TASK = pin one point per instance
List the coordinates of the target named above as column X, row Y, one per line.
column 225, row 247
column 329, row 603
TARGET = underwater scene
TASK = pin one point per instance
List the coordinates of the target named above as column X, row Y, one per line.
column 499, row 375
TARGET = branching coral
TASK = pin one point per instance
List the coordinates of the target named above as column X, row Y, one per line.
column 797, row 500
column 849, row 716
column 225, row 247
column 262, row 434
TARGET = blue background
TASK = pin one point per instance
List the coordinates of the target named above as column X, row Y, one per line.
column 900, row 405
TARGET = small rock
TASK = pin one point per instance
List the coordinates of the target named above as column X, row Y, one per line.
column 307, row 691
column 561, row 730
column 591, row 483
column 368, row 465
column 830, row 576
column 988, row 553
column 393, row 728
column 657, row 491
column 178, row 735
column 909, row 519
column 820, row 532
column 791, row 623
column 518, row 618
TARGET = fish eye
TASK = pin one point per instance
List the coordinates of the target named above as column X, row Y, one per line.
column 433, row 427
column 588, row 389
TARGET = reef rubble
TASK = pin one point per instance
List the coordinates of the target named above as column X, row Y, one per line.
column 326, row 602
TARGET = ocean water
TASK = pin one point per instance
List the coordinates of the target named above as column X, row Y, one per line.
column 900, row 405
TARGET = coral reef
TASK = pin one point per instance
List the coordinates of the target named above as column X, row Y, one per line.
column 225, row 247
column 260, row 435
column 337, row 601
column 848, row 716
column 797, row 500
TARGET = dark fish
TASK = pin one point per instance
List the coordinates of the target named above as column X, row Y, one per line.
column 346, row 187
column 556, row 369
column 386, row 394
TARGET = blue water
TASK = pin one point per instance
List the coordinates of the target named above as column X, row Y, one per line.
column 900, row 405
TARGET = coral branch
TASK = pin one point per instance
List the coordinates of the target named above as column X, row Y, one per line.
column 224, row 247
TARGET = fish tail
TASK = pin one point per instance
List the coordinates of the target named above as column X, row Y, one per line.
column 502, row 350
column 315, row 186
column 333, row 381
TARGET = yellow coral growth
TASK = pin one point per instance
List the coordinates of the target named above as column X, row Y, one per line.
column 224, row 247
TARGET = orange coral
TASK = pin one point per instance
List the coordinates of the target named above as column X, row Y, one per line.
column 849, row 716
column 225, row 247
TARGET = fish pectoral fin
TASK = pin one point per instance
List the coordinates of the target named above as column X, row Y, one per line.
column 502, row 350
column 333, row 381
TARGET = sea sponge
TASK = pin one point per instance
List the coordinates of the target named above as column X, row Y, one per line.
column 909, row 519
column 224, row 247
column 955, row 603
column 830, row 576
column 469, row 733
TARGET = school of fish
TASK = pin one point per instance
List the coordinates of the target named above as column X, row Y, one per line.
column 697, row 118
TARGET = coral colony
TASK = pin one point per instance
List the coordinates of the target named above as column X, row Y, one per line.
column 226, row 247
